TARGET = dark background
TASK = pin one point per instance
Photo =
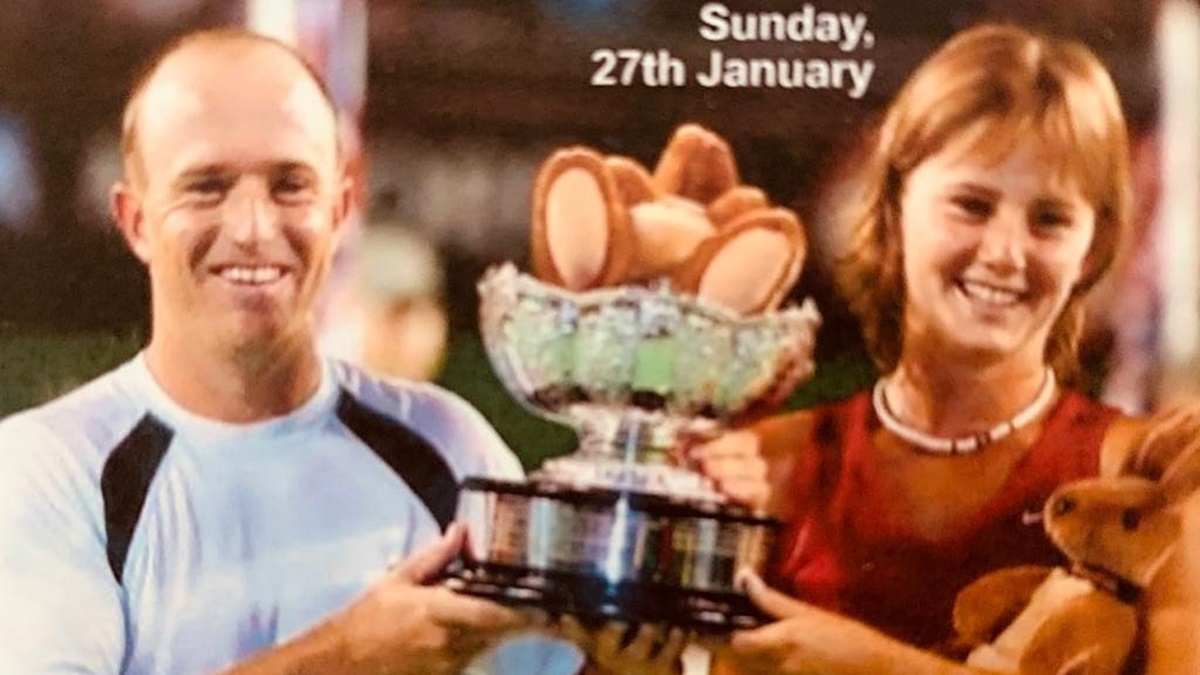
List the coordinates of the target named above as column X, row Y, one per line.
column 464, row 98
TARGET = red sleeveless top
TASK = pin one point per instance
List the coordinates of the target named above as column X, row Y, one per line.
column 854, row 552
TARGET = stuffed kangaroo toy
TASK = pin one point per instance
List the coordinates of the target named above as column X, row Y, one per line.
column 604, row 220
column 1117, row 533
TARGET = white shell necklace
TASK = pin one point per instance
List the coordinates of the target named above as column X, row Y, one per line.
column 963, row 444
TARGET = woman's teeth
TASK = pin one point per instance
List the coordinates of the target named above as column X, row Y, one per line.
column 992, row 295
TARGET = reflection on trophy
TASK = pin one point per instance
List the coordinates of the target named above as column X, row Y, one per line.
column 620, row 528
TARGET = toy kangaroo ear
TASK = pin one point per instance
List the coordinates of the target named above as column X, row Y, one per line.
column 1181, row 478
column 696, row 164
column 750, row 264
column 735, row 203
column 580, row 232
column 634, row 183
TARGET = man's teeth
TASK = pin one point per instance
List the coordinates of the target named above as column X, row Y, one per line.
column 251, row 275
column 990, row 294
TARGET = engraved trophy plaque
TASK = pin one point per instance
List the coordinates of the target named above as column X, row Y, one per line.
column 616, row 530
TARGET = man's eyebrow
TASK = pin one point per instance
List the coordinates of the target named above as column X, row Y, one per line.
column 201, row 171
column 292, row 165
column 221, row 170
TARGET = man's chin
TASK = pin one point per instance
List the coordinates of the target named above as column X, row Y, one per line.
column 265, row 338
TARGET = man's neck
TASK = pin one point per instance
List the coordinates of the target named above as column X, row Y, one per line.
column 237, row 387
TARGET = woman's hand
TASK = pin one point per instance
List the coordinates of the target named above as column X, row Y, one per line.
column 653, row 650
column 734, row 463
column 808, row 640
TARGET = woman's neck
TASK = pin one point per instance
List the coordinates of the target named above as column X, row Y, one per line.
column 950, row 399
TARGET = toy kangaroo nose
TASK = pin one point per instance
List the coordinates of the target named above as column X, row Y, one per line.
column 1062, row 506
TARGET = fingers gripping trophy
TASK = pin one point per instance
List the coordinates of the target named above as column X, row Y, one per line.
column 651, row 314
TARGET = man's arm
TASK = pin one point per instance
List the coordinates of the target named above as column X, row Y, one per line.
column 400, row 627
column 61, row 608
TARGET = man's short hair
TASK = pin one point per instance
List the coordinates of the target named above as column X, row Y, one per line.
column 215, row 36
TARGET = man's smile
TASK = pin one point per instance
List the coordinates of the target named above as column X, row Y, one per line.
column 250, row 274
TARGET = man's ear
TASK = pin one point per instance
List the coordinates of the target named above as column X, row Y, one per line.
column 126, row 205
column 343, row 202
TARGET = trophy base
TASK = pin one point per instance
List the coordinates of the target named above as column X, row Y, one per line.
column 595, row 600
column 607, row 554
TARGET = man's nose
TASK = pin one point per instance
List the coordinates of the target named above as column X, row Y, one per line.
column 250, row 214
column 1003, row 241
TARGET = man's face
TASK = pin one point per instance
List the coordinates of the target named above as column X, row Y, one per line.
column 240, row 199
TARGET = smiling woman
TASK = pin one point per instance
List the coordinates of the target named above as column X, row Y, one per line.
column 995, row 197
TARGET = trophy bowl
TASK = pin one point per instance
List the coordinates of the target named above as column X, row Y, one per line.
column 617, row 529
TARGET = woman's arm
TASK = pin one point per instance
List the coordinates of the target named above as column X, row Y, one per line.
column 757, row 465
column 807, row 639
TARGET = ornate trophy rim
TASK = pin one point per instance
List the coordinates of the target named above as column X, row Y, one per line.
column 505, row 279
column 616, row 529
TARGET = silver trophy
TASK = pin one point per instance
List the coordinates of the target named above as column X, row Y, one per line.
column 617, row 530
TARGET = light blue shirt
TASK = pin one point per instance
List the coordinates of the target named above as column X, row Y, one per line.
column 249, row 534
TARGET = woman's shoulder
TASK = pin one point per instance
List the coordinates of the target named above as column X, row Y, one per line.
column 823, row 420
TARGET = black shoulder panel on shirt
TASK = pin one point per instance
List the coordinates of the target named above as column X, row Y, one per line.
column 125, row 481
column 412, row 457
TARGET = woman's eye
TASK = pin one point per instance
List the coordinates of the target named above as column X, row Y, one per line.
column 975, row 207
column 1051, row 219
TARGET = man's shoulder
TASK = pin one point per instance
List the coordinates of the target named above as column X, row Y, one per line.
column 88, row 421
column 449, row 422
column 404, row 401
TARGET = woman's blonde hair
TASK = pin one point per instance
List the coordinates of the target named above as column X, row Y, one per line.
column 1009, row 84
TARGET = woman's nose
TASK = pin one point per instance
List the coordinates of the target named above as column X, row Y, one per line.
column 1002, row 243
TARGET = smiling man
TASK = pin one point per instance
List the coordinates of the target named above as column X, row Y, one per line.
column 228, row 500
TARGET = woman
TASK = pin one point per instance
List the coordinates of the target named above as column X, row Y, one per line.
column 996, row 197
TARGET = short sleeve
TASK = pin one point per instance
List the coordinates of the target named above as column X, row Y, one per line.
column 470, row 442
column 61, row 610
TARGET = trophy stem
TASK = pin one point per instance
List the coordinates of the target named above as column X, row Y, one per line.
column 634, row 438
column 628, row 451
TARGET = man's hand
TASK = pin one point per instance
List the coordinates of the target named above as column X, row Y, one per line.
column 402, row 626
column 653, row 650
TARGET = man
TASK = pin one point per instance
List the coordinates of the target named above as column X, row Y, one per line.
column 228, row 499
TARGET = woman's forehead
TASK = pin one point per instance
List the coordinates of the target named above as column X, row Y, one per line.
column 990, row 143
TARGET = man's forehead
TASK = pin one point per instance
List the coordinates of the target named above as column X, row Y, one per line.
column 224, row 96
column 234, row 78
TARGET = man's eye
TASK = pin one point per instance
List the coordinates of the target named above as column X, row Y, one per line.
column 291, row 185
column 208, row 186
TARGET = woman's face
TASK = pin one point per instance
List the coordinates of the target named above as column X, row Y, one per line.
column 991, row 250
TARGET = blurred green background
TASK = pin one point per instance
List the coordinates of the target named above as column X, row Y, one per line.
column 36, row 366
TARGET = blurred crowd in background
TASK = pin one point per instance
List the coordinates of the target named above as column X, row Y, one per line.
column 453, row 105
